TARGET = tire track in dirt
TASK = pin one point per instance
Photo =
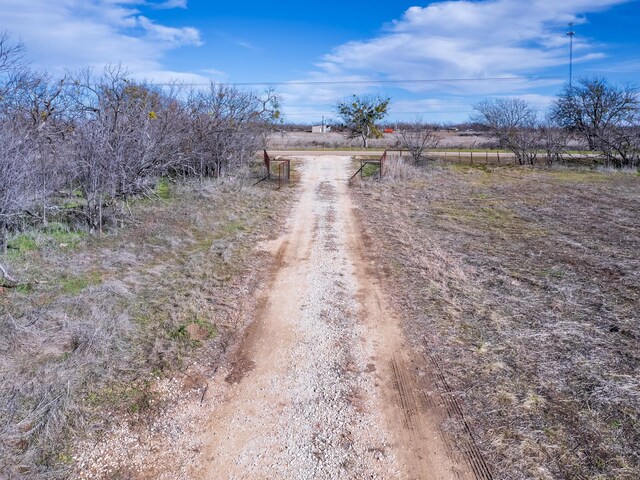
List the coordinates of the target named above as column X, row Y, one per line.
column 323, row 384
column 421, row 445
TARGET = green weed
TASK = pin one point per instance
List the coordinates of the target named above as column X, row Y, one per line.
column 65, row 458
column 370, row 170
column 182, row 331
column 163, row 189
column 231, row 228
column 24, row 242
column 63, row 236
column 577, row 176
column 24, row 288
column 76, row 283
column 552, row 273
column 133, row 397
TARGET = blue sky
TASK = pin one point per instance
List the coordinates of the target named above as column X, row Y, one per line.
column 499, row 47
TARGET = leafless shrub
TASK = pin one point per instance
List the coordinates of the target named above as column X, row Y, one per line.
column 554, row 141
column 513, row 121
column 226, row 127
column 108, row 137
column 418, row 137
column 125, row 136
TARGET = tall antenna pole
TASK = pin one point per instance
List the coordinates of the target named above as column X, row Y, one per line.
column 571, row 33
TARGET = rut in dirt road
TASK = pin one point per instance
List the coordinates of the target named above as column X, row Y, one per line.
column 321, row 386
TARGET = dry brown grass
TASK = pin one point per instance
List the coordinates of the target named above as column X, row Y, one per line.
column 525, row 285
column 336, row 140
column 114, row 313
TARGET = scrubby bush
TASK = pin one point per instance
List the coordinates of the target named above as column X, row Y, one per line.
column 107, row 137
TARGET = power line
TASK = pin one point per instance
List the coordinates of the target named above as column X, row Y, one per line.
column 306, row 114
column 372, row 82
column 310, row 105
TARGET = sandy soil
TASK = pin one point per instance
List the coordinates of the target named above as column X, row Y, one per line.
column 323, row 384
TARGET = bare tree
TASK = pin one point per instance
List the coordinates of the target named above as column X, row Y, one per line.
column 604, row 115
column 513, row 122
column 226, row 126
column 12, row 62
column 125, row 135
column 28, row 102
column 17, row 187
column 417, row 137
column 553, row 140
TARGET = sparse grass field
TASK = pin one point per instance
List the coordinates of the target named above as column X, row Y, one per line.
column 99, row 319
column 525, row 285
column 335, row 140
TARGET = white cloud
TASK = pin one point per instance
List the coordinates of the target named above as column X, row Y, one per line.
column 464, row 39
column 215, row 73
column 169, row 35
column 468, row 39
column 168, row 4
column 247, row 45
column 620, row 67
column 70, row 34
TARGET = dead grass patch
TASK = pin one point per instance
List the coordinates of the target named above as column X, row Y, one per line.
column 525, row 284
column 84, row 346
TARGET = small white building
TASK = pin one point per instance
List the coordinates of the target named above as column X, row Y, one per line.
column 320, row 129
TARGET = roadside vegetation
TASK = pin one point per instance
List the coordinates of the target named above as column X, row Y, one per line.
column 523, row 284
column 76, row 150
column 126, row 235
column 97, row 320
column 592, row 118
column 593, row 115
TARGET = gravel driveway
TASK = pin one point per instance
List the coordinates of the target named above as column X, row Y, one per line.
column 321, row 385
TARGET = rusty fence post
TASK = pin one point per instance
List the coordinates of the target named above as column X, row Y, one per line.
column 267, row 163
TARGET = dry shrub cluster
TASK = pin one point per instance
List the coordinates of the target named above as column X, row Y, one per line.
column 329, row 140
column 111, row 314
column 525, row 285
column 76, row 149
column 399, row 168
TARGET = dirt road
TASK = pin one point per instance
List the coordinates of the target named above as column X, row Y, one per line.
column 322, row 385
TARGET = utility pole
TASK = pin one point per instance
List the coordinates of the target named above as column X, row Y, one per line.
column 571, row 33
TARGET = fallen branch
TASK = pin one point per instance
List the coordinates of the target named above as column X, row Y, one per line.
column 204, row 392
column 12, row 281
